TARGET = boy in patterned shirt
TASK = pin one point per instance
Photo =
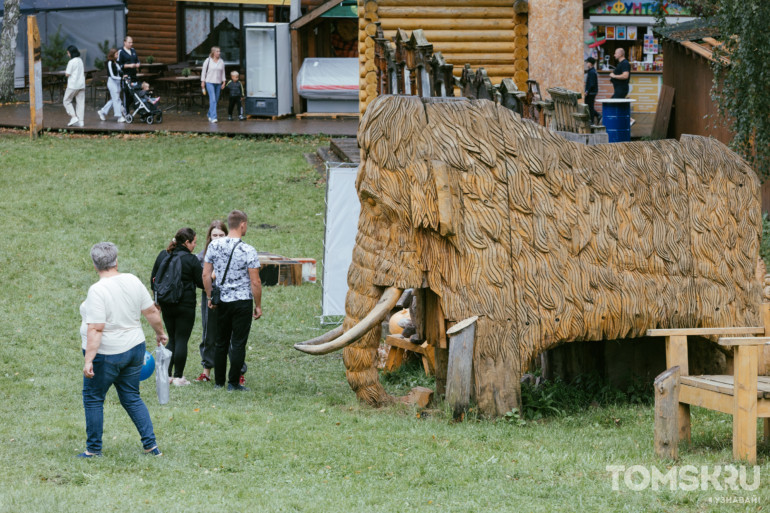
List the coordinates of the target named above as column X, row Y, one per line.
column 240, row 290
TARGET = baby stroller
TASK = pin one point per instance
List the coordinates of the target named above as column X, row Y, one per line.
column 138, row 101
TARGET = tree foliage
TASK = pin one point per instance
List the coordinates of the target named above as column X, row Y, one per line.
column 742, row 83
column 55, row 51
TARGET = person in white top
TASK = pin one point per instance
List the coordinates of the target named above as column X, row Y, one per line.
column 76, row 87
column 113, row 85
column 213, row 80
column 114, row 347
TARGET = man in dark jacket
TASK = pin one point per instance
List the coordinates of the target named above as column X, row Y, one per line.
column 127, row 58
column 592, row 89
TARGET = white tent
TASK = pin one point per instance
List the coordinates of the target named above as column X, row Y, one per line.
column 84, row 24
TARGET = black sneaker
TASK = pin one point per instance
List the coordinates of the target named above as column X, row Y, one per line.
column 237, row 388
column 229, row 118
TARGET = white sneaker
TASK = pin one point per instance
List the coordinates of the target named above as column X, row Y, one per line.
column 181, row 382
column 214, row 120
column 121, row 119
column 101, row 115
column 79, row 124
column 72, row 121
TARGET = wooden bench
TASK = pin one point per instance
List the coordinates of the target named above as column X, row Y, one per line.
column 398, row 348
column 744, row 395
column 569, row 113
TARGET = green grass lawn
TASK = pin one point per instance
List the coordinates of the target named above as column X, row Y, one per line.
column 299, row 441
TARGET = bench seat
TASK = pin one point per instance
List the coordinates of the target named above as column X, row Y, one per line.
column 745, row 395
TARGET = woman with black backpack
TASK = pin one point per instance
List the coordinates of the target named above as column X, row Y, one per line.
column 175, row 275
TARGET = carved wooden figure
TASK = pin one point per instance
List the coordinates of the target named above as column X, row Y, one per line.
column 546, row 241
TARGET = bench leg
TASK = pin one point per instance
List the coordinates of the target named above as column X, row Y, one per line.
column 676, row 355
column 767, row 430
column 745, row 404
column 667, row 414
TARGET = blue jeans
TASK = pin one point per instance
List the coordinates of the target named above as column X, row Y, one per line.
column 121, row 370
column 213, row 91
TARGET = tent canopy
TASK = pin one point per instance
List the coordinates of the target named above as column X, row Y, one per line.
column 84, row 23
column 33, row 6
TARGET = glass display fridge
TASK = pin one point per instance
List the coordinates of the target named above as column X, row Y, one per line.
column 268, row 69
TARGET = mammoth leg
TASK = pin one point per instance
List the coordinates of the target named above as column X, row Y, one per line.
column 496, row 369
column 359, row 357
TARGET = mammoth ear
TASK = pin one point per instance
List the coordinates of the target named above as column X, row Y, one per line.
column 436, row 202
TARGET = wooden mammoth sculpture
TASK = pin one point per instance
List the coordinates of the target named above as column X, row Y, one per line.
column 547, row 241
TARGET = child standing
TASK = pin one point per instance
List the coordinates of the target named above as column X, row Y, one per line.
column 235, row 88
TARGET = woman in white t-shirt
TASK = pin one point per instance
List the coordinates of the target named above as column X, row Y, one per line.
column 114, row 347
column 76, row 88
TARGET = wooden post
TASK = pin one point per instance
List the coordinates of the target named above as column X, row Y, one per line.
column 745, row 403
column 460, row 369
column 35, row 78
column 766, row 429
column 396, row 358
column 667, row 414
column 764, row 351
column 676, row 356
column 295, row 65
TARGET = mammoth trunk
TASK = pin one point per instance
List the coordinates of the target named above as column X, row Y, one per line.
column 359, row 357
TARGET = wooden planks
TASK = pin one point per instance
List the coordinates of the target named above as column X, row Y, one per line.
column 676, row 356
column 705, row 399
column 724, row 384
column 743, row 341
column 663, row 113
column 460, row 371
column 667, row 414
column 400, row 344
column 745, row 404
column 742, row 330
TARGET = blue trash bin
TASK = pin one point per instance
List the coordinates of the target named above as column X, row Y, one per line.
column 616, row 117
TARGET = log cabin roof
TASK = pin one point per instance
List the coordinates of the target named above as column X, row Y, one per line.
column 313, row 14
column 697, row 37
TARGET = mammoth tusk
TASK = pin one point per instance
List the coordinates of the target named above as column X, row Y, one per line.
column 320, row 345
column 321, row 339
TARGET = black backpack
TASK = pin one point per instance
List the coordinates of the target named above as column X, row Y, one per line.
column 168, row 285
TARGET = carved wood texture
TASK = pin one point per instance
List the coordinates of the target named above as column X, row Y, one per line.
column 546, row 240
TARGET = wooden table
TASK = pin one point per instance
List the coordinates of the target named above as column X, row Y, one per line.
column 57, row 80
column 179, row 87
column 156, row 68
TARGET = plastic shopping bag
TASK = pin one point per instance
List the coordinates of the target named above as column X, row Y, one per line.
column 162, row 361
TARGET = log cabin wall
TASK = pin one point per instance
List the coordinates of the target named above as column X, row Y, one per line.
column 556, row 43
column 153, row 26
column 482, row 33
column 694, row 112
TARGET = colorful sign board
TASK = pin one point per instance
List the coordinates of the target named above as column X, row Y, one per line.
column 639, row 8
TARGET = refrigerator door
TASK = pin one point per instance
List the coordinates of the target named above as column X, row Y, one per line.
column 260, row 62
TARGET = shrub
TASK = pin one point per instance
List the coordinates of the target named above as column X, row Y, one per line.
column 55, row 51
